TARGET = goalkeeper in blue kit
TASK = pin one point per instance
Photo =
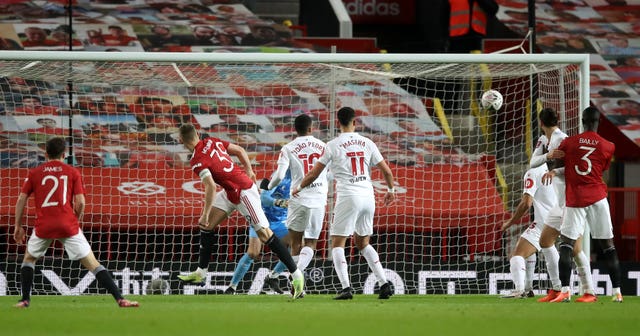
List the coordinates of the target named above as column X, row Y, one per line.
column 274, row 204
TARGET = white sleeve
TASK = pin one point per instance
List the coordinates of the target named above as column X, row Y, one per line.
column 530, row 184
column 376, row 156
column 325, row 158
column 538, row 158
column 283, row 165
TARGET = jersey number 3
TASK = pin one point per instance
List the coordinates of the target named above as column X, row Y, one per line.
column 585, row 158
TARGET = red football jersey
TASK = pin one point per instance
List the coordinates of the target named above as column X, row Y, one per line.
column 587, row 156
column 54, row 184
column 211, row 153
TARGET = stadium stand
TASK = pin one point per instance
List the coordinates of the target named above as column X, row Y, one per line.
column 124, row 132
column 609, row 31
column 124, row 127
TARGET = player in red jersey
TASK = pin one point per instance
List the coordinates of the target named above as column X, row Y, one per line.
column 586, row 156
column 59, row 200
column 212, row 162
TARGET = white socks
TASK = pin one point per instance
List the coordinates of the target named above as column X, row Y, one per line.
column 517, row 267
column 552, row 257
column 340, row 265
column 583, row 267
column 373, row 260
column 531, row 269
column 305, row 257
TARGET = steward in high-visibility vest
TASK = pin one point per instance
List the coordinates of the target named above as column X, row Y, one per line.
column 466, row 15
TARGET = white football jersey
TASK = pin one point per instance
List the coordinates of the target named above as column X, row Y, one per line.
column 544, row 196
column 350, row 157
column 300, row 155
column 550, row 144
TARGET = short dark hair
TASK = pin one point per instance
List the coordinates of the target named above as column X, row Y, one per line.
column 55, row 147
column 590, row 118
column 346, row 115
column 187, row 132
column 302, row 124
column 549, row 117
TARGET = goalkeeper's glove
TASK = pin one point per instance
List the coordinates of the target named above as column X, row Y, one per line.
column 264, row 184
column 281, row 203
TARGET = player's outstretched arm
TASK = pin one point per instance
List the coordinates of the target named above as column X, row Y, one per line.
column 525, row 204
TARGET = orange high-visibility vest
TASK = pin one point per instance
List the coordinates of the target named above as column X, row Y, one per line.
column 463, row 18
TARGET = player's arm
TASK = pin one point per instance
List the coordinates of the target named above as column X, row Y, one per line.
column 18, row 231
column 79, row 203
column 281, row 171
column 523, row 207
column 311, row 176
column 278, row 175
column 390, row 196
column 539, row 157
column 242, row 155
column 209, row 196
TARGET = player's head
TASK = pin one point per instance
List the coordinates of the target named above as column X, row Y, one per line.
column 548, row 117
column 590, row 118
column 188, row 136
column 302, row 124
column 346, row 115
column 55, row 148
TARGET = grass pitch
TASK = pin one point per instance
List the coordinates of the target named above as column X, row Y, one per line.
column 317, row 315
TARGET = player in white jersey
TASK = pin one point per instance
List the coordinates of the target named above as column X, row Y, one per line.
column 523, row 260
column 547, row 144
column 306, row 211
column 350, row 157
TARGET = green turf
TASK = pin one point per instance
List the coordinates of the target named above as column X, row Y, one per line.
column 318, row 315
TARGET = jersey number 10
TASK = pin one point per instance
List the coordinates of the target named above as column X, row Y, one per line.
column 308, row 161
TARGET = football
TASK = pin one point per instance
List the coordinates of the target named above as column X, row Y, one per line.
column 157, row 287
column 491, row 99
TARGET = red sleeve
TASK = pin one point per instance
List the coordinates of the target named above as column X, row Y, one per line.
column 563, row 145
column 224, row 143
column 27, row 187
column 78, row 187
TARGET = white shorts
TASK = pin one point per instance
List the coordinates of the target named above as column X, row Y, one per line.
column 249, row 207
column 302, row 218
column 353, row 214
column 598, row 217
column 532, row 234
column 77, row 246
column 555, row 217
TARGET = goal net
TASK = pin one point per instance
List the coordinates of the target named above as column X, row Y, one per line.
column 458, row 168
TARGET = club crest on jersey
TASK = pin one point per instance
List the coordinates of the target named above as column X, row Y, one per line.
column 528, row 183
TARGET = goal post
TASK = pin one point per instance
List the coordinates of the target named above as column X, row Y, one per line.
column 458, row 168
